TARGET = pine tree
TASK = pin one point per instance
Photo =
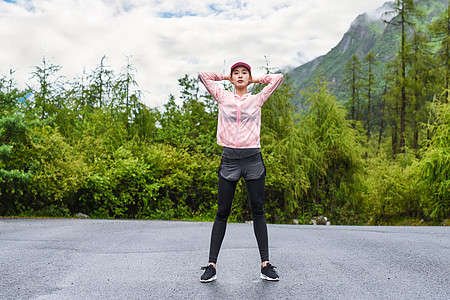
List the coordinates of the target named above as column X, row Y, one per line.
column 370, row 60
column 328, row 153
column 100, row 85
column 10, row 95
column 434, row 169
column 382, row 109
column 353, row 73
column 392, row 101
column 126, row 95
column 405, row 9
column 419, row 81
column 45, row 97
column 440, row 30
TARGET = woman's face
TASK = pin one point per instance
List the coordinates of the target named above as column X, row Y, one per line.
column 241, row 77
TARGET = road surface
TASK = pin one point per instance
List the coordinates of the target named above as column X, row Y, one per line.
column 128, row 259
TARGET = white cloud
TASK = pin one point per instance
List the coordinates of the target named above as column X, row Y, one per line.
column 199, row 36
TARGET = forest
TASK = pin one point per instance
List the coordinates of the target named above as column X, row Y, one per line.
column 379, row 156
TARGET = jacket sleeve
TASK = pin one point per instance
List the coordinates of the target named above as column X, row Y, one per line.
column 273, row 81
column 208, row 79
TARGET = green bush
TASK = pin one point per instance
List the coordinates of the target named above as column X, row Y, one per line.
column 391, row 192
column 433, row 170
column 15, row 174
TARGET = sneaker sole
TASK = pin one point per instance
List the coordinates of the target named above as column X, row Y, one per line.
column 265, row 277
column 210, row 279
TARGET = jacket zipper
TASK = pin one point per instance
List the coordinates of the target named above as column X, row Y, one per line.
column 238, row 123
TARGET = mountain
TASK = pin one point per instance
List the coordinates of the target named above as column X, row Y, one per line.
column 368, row 32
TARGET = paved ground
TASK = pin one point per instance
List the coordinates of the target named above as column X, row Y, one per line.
column 111, row 259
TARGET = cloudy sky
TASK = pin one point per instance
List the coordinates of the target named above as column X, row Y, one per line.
column 169, row 38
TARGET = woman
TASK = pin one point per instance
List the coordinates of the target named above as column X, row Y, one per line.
column 238, row 131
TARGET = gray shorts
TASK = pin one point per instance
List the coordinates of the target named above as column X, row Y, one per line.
column 250, row 167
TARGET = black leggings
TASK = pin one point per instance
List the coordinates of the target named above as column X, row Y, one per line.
column 255, row 190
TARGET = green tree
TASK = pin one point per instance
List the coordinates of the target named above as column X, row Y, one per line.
column 100, row 85
column 383, row 110
column 440, row 31
column 352, row 77
column 370, row 60
column 15, row 173
column 419, row 82
column 278, row 130
column 322, row 157
column 46, row 97
column 192, row 124
column 405, row 9
column 10, row 95
column 126, row 95
column 145, row 120
column 434, row 169
column 392, row 101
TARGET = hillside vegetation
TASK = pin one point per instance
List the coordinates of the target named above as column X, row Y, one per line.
column 368, row 32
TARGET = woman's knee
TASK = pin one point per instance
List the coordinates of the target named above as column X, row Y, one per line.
column 223, row 214
column 257, row 209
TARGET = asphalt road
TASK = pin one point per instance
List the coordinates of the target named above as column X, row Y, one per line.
column 112, row 259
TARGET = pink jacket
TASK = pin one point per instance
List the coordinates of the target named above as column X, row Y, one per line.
column 239, row 121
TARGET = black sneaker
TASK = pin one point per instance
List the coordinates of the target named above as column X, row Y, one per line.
column 209, row 275
column 268, row 273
